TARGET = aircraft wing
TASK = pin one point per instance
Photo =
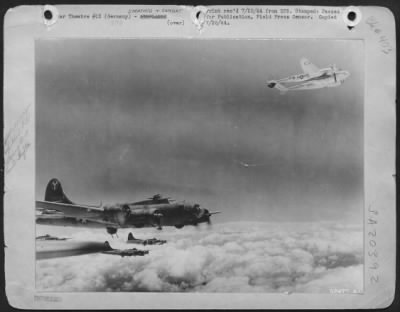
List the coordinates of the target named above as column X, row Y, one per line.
column 308, row 67
column 72, row 210
column 113, row 252
column 304, row 86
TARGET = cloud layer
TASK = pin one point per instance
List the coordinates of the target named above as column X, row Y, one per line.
column 229, row 257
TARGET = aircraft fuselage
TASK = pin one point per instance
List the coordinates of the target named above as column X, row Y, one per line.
column 129, row 215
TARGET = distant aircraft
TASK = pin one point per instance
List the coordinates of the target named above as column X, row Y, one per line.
column 311, row 78
column 48, row 237
column 150, row 241
column 57, row 209
column 125, row 252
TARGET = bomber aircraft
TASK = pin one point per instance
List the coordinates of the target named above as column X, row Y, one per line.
column 149, row 241
column 124, row 252
column 48, row 237
column 311, row 78
column 58, row 209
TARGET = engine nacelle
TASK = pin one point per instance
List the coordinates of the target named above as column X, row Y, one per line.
column 111, row 230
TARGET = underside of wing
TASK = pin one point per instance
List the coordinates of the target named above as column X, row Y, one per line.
column 72, row 210
column 308, row 67
column 112, row 252
column 305, row 86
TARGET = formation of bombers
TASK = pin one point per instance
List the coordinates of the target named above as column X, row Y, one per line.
column 157, row 211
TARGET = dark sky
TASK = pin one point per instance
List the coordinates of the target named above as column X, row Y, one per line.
column 119, row 120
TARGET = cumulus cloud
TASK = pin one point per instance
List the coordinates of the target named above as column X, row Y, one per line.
column 229, row 257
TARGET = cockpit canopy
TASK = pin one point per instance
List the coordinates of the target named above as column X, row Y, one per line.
column 195, row 208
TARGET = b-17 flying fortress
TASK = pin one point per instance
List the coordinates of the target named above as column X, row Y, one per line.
column 144, row 242
column 124, row 252
column 48, row 237
column 157, row 211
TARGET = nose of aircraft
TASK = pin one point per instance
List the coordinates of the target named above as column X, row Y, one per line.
column 343, row 75
column 202, row 215
column 207, row 216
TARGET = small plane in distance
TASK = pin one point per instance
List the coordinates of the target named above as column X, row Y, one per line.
column 48, row 237
column 124, row 252
column 144, row 242
column 311, row 78
column 57, row 209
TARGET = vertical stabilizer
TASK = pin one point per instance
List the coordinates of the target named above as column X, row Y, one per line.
column 55, row 193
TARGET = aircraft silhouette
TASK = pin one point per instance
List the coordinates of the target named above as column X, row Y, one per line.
column 311, row 78
column 58, row 209
column 149, row 241
column 124, row 252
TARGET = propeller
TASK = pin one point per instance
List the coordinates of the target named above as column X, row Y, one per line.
column 208, row 214
column 158, row 217
column 208, row 221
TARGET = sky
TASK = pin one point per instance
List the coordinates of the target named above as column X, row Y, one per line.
column 119, row 120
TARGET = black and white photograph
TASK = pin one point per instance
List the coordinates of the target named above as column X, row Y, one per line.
column 214, row 166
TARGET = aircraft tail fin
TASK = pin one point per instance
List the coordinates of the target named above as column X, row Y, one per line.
column 55, row 193
column 107, row 246
column 130, row 236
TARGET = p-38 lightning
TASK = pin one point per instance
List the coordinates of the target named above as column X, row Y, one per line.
column 157, row 211
column 311, row 78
